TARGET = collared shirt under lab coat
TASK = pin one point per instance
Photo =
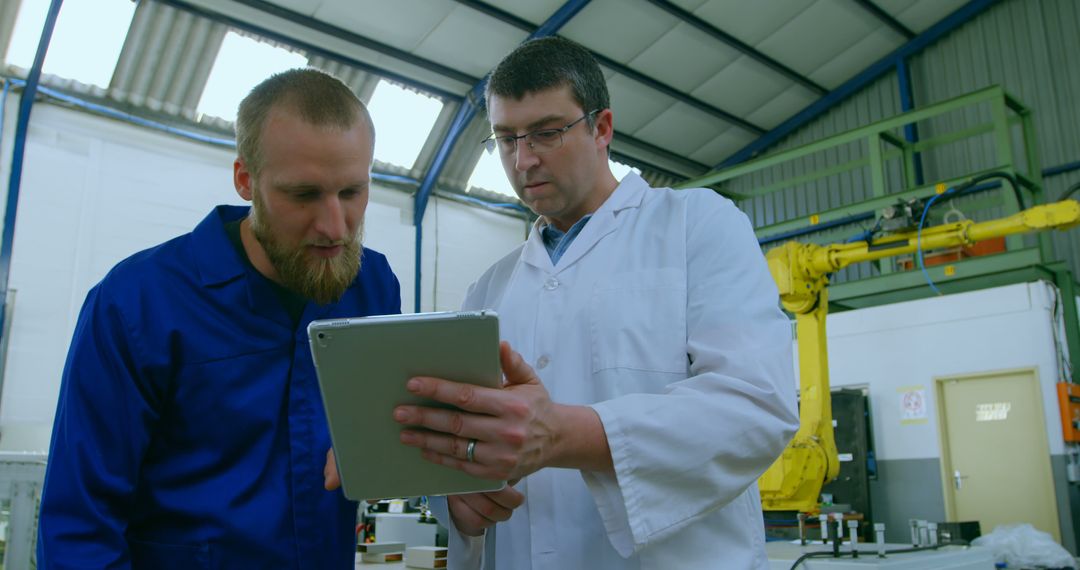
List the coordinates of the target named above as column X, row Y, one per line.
column 663, row 317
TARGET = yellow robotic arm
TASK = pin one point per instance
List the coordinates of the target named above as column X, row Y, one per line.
column 794, row 481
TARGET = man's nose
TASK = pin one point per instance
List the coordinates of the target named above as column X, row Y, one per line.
column 525, row 158
column 330, row 219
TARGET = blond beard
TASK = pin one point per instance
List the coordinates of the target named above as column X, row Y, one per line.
column 321, row 280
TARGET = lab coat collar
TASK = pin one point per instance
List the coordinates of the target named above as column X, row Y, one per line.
column 214, row 254
column 628, row 194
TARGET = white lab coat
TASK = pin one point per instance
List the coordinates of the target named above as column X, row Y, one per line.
column 663, row 317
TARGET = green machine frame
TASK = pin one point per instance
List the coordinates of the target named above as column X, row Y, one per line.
column 1013, row 137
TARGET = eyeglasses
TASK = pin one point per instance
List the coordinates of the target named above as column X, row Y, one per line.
column 543, row 140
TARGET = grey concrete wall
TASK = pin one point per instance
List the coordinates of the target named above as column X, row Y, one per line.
column 906, row 489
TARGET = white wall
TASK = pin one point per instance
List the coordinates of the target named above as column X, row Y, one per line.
column 892, row 347
column 94, row 191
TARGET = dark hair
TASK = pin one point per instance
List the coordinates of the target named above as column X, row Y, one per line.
column 317, row 97
column 547, row 63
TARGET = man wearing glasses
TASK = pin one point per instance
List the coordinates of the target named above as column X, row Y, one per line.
column 654, row 382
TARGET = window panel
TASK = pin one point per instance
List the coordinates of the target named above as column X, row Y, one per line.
column 619, row 170
column 489, row 175
column 86, row 41
column 241, row 64
column 403, row 121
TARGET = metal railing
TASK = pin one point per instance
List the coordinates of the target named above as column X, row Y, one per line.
column 21, row 478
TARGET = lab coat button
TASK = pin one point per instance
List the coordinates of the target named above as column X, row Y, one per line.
column 551, row 284
column 542, row 362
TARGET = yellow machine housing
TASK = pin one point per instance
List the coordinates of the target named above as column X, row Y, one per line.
column 794, row 481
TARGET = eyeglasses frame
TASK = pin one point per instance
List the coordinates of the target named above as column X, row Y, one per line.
column 491, row 142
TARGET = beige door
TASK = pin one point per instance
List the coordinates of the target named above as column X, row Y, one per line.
column 995, row 455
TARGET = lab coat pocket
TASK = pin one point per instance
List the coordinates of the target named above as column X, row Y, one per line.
column 160, row 556
column 638, row 321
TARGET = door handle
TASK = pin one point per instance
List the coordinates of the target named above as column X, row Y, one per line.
column 958, row 479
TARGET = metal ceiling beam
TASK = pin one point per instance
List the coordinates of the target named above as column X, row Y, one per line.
column 332, row 30
column 622, row 69
column 335, row 32
column 886, row 64
column 887, row 18
column 470, row 105
column 678, row 95
column 499, row 14
column 640, row 164
column 663, row 153
column 744, row 48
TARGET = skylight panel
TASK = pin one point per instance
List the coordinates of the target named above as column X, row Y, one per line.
column 403, row 121
column 241, row 64
column 489, row 175
column 86, row 41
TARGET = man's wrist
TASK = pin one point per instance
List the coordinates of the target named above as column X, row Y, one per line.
column 579, row 440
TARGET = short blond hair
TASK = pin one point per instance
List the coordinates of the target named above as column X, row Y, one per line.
column 317, row 97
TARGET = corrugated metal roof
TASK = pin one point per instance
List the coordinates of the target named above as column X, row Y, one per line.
column 361, row 82
column 166, row 60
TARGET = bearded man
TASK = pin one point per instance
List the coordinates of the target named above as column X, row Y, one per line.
column 189, row 431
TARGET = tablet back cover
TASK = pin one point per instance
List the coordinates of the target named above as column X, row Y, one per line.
column 363, row 365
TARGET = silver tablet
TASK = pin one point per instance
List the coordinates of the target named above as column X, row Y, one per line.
column 363, row 365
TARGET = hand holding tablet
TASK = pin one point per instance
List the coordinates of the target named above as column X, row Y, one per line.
column 363, row 365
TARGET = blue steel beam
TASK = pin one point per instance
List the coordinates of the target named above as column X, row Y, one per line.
column 1061, row 169
column 621, row 69
column 348, row 36
column 785, row 236
column 934, row 33
column 465, row 114
column 22, row 125
column 739, row 45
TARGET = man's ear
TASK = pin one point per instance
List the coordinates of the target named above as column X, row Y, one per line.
column 605, row 128
column 242, row 179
